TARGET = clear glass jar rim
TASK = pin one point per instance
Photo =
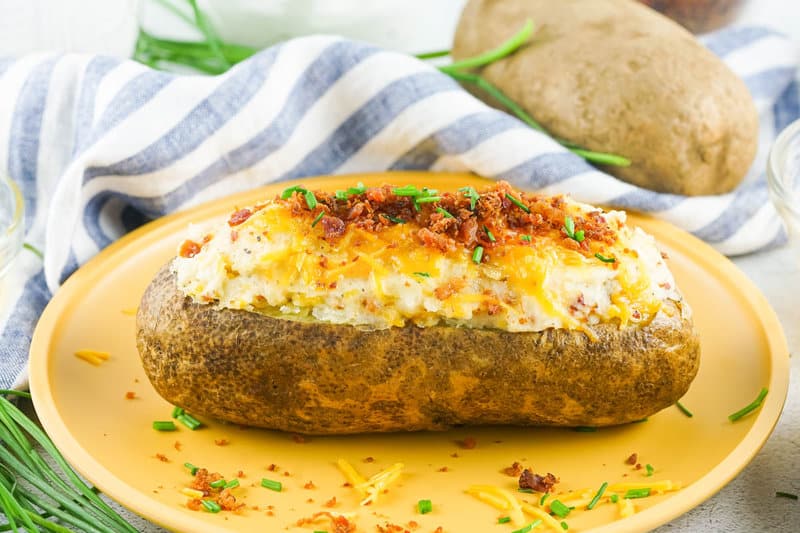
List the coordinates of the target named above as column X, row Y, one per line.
column 781, row 184
column 19, row 204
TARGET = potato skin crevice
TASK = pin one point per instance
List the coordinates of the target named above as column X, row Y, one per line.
column 318, row 378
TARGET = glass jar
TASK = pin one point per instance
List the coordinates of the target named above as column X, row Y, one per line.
column 698, row 16
column 783, row 178
column 12, row 211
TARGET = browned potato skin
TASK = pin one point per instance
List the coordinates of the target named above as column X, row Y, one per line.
column 616, row 76
column 317, row 378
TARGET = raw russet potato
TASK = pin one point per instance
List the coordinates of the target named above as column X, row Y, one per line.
column 616, row 76
column 536, row 331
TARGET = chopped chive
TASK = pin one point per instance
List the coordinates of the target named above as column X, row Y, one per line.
column 749, row 408
column 649, row 469
column 489, row 234
column 525, row 490
column 340, row 195
column 504, row 520
column 683, row 409
column 211, row 506
column 584, row 429
column 569, row 225
column 637, row 493
column 543, row 499
column 320, row 531
column 639, row 421
column 193, row 469
column 189, row 421
column 530, row 526
column 598, row 495
column 218, row 484
column 444, row 211
column 614, row 498
column 579, row 235
column 408, row 190
column 428, row 199
column 781, row 494
column 605, row 259
column 429, row 192
column 288, row 192
column 271, row 485
column 311, row 200
column 559, row 509
column 472, row 194
column 424, row 506
column 318, row 218
column 423, row 274
column 168, row 425
column 395, row 219
column 358, row 189
column 232, row 484
column 526, row 238
column 477, row 255
column 176, row 411
column 564, row 525
column 518, row 203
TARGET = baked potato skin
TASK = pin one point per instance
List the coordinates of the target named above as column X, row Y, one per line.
column 616, row 76
column 318, row 379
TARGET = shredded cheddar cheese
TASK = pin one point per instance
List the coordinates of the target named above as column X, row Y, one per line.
column 370, row 488
column 92, row 356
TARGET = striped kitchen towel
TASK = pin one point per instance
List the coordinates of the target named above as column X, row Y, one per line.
column 101, row 145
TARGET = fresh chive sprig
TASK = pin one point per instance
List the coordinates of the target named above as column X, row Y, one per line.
column 598, row 495
column 749, row 408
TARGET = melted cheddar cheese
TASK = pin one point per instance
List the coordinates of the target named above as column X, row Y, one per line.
column 281, row 264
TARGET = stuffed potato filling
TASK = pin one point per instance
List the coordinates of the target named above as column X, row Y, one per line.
column 391, row 256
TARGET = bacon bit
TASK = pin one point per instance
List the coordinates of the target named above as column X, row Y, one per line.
column 299, row 439
column 238, row 217
column 177, row 445
column 632, row 459
column 189, row 249
column 529, row 480
column 130, row 395
column 255, row 508
column 347, row 484
column 338, row 523
column 664, row 255
column 448, row 289
column 515, row 470
column 443, row 469
column 413, row 525
column 434, row 240
column 638, row 466
column 194, row 505
column 221, row 442
column 207, row 238
column 161, row 457
column 636, row 314
column 468, row 443
column 270, row 507
column 240, row 473
column 333, row 228
column 369, row 459
column 665, row 285
column 309, row 485
column 310, row 500
column 273, row 467
column 331, row 502
column 234, row 235
column 439, row 530
column 391, row 528
column 270, row 513
column 454, row 455
column 286, row 473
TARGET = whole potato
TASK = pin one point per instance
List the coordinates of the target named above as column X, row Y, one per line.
column 615, row 76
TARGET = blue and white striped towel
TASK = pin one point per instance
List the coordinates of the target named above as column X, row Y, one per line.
column 100, row 145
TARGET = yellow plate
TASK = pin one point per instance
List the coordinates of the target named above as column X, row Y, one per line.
column 109, row 439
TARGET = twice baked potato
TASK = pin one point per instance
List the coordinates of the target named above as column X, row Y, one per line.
column 389, row 309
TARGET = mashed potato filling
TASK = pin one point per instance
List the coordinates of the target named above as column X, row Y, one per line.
column 280, row 261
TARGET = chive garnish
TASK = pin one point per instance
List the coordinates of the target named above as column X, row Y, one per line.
column 289, row 191
column 518, row 203
column 311, row 200
column 424, row 506
column 614, row 498
column 504, row 520
column 489, row 234
column 477, row 255
column 176, row 411
column 526, row 238
column 340, row 195
column 395, row 219
column 408, row 190
column 318, row 218
column 683, row 409
column 543, row 499
column 444, row 211
column 218, row 484
column 271, row 485
column 423, row 274
column 564, row 525
column 232, row 484
column 559, row 509
column 193, row 469
column 472, row 194
column 168, row 425
column 211, row 506
column 637, row 493
column 428, row 199
column 584, row 429
column 781, row 494
column 598, row 495
column 530, row 526
column 569, row 229
column 189, row 421
column 358, row 189
column 749, row 408
column 525, row 490
column 605, row 259
column 649, row 469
